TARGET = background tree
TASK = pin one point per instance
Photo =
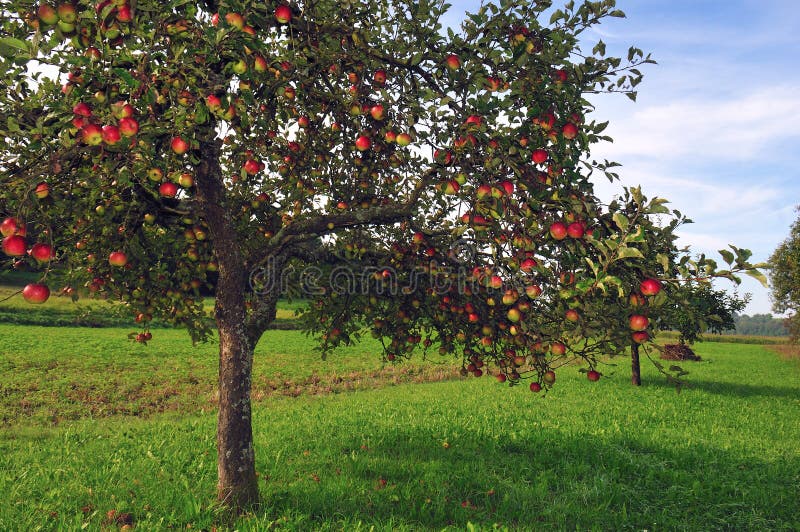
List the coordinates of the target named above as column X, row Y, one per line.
column 696, row 308
column 441, row 180
column 784, row 275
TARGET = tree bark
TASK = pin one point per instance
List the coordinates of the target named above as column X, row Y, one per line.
column 237, row 485
column 636, row 373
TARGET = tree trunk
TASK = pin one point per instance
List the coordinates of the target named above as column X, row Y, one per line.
column 636, row 373
column 237, row 487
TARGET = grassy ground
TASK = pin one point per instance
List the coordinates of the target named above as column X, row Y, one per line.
column 723, row 454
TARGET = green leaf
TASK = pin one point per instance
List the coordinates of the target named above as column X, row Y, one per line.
column 759, row 276
column 727, row 256
column 621, row 220
column 126, row 76
column 629, row 253
column 13, row 44
column 663, row 260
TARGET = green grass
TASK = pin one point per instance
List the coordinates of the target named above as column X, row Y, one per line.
column 51, row 375
column 722, row 454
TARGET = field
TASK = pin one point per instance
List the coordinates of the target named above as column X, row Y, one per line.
column 92, row 423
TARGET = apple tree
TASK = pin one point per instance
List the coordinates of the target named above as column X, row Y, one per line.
column 427, row 186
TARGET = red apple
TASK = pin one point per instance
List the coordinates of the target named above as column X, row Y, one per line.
column 539, row 156
column 650, row 287
column 473, row 121
column 42, row 190
column 514, row 315
column 35, row 293
column 380, row 77
column 235, row 19
column 92, row 134
column 570, row 131
column 536, row 387
column 533, row 291
column 14, row 246
column 41, row 252
column 251, row 166
column 12, row 226
column 363, row 143
column 576, row 230
column 572, row 315
column 67, row 13
column 179, row 146
column 47, row 14
column 403, row 139
column 451, row 187
column 168, row 190
column 640, row 337
column 558, row 349
column 128, row 127
column 124, row 13
column 283, row 14
column 117, row 258
column 376, row 111
column 82, row 109
column 260, row 64
column 592, row 375
column 111, row 135
column 453, row 62
column 527, row 265
column 549, row 377
column 213, row 102
column 122, row 110
column 558, row 230
column 638, row 322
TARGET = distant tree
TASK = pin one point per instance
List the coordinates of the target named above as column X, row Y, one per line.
column 695, row 308
column 760, row 325
column 785, row 279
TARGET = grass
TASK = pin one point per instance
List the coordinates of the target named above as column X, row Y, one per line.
column 52, row 375
column 722, row 454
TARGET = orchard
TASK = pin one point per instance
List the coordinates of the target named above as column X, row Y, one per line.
column 428, row 187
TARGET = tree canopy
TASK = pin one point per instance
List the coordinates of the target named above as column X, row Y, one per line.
column 428, row 186
column 784, row 275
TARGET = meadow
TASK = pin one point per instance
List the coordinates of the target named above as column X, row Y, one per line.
column 99, row 432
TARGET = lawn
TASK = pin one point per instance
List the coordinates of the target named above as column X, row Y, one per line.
column 722, row 454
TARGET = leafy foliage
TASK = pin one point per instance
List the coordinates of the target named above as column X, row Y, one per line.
column 697, row 308
column 784, row 276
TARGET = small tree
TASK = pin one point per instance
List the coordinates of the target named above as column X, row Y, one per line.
column 696, row 308
column 440, row 179
column 784, row 264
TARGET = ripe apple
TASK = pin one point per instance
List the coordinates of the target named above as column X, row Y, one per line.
column 168, row 190
column 539, row 156
column 549, row 377
column 451, row 187
column 592, row 375
column 12, row 226
column 536, row 387
column 92, row 134
column 473, row 121
column 376, row 111
column 640, row 337
column 527, row 265
column 637, row 300
column 363, row 143
column 186, row 180
column 570, row 131
column 111, row 135
column 42, row 190
column 403, row 139
column 213, row 102
column 576, row 230
column 453, row 62
column 82, row 109
column 533, row 291
column 35, row 293
column 283, row 14
column 558, row 349
column 14, row 246
column 260, row 64
column 514, row 315
column 128, row 127
column 572, row 315
column 124, row 13
column 179, row 146
column 251, row 166
column 117, row 258
column 638, row 322
column 380, row 77
column 47, row 14
column 41, row 252
column 508, row 187
column 510, row 297
column 235, row 19
column 558, row 230
column 650, row 287
column 67, row 13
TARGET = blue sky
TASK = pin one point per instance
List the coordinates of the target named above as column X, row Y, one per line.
column 716, row 127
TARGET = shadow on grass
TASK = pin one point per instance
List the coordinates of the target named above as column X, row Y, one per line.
column 541, row 480
column 733, row 389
